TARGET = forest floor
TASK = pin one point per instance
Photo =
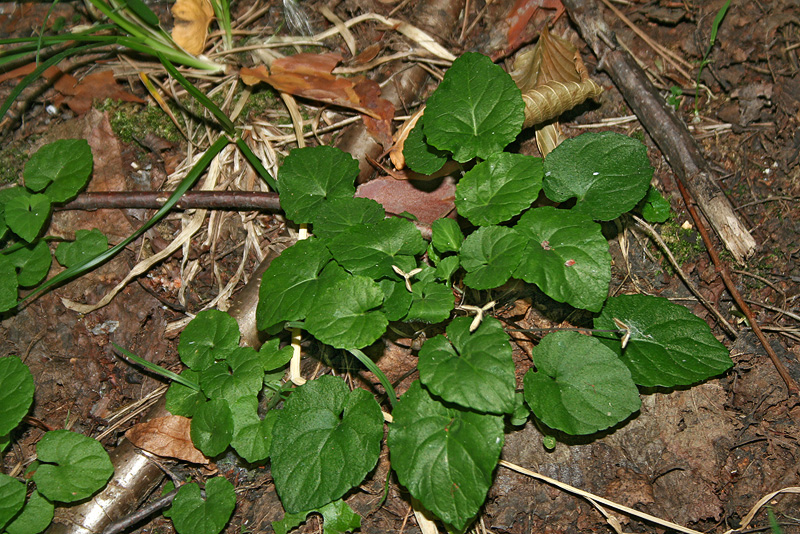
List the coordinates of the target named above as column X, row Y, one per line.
column 699, row 457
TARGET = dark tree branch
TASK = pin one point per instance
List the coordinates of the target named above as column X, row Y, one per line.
column 664, row 126
column 218, row 200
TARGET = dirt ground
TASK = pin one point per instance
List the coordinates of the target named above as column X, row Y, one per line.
column 699, row 457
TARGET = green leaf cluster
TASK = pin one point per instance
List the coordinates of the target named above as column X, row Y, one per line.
column 359, row 272
column 70, row 466
column 222, row 385
column 53, row 175
column 362, row 271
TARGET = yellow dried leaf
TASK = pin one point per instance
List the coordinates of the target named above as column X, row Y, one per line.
column 192, row 18
column 399, row 138
column 548, row 137
column 552, row 78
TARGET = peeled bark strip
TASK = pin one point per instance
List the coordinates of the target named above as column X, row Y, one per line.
column 670, row 133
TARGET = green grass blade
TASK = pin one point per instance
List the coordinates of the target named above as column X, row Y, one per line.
column 40, row 42
column 256, row 163
column 374, row 369
column 715, row 25
column 185, row 185
column 206, row 102
column 166, row 373
column 143, row 12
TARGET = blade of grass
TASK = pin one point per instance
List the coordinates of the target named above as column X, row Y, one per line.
column 166, row 373
column 223, row 119
column 256, row 163
column 91, row 263
column 705, row 61
column 384, row 380
column 141, row 10
column 44, row 27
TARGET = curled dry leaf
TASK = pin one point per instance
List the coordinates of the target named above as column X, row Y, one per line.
column 400, row 136
column 309, row 76
column 552, row 78
column 167, row 436
column 192, row 18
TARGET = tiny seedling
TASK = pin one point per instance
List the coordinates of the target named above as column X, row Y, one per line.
column 712, row 39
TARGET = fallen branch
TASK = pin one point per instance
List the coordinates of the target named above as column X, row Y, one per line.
column 667, row 130
column 215, row 200
column 722, row 270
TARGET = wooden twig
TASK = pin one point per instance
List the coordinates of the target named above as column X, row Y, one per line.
column 649, row 230
column 218, row 200
column 664, row 126
column 723, row 271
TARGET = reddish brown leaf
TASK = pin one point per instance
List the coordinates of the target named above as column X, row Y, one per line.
column 167, row 436
column 49, row 74
column 398, row 196
column 309, row 76
column 95, row 86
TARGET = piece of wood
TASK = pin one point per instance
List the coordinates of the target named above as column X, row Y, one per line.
column 668, row 131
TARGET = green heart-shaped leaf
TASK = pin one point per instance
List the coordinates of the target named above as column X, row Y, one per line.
column 8, row 284
column 211, row 335
column 12, row 498
column 476, row 111
column 35, row 517
column 579, row 386
column 87, row 244
column 32, row 263
column 346, row 314
column 183, row 400
column 193, row 515
column 474, row 370
column 566, row 256
column 325, row 441
column 432, row 301
column 667, row 345
column 371, row 250
column 16, row 392
column 609, row 173
column 311, row 176
column 443, row 455
column 340, row 214
column 73, row 466
column 65, row 165
column 446, row 235
column 419, row 155
column 499, row 188
column 26, row 215
column 490, row 255
column 289, row 286
column 241, row 374
column 212, row 427
column 337, row 518
column 252, row 436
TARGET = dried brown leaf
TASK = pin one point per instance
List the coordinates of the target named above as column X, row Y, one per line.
column 167, row 436
column 400, row 136
column 192, row 18
column 552, row 78
column 309, row 76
